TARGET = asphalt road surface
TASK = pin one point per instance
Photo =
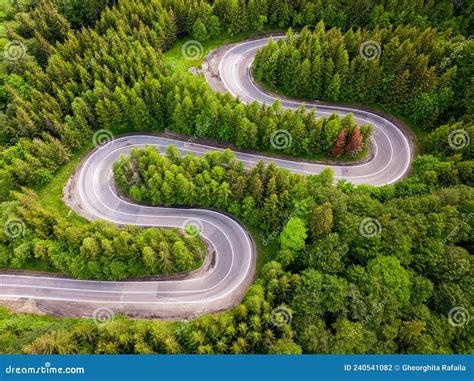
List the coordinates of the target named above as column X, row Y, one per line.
column 222, row 284
column 392, row 152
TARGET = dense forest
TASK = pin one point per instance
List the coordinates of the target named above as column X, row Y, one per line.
column 33, row 234
column 407, row 69
column 354, row 270
column 347, row 269
column 114, row 77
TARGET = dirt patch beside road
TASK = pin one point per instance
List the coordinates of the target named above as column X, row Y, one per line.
column 210, row 65
column 25, row 306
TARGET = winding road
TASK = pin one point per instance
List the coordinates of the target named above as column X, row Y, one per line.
column 222, row 284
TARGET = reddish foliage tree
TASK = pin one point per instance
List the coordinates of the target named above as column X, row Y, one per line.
column 340, row 143
column 355, row 141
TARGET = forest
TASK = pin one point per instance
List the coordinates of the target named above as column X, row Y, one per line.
column 412, row 74
column 338, row 274
column 99, row 250
column 74, row 67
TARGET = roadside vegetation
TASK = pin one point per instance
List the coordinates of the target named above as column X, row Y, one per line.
column 35, row 236
column 349, row 270
column 406, row 69
column 347, row 250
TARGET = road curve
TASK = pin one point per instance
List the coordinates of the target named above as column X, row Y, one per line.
column 92, row 194
column 392, row 151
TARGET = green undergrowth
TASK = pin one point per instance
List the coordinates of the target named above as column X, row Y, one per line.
column 418, row 132
column 51, row 194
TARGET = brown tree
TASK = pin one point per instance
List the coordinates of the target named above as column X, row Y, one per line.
column 355, row 141
column 339, row 144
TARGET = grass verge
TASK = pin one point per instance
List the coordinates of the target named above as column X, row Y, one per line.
column 174, row 56
column 51, row 194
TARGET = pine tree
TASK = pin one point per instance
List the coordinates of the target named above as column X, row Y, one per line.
column 355, row 141
column 49, row 23
column 334, row 88
column 304, row 87
column 214, row 27
column 317, row 78
column 321, row 220
column 339, row 144
column 199, row 31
